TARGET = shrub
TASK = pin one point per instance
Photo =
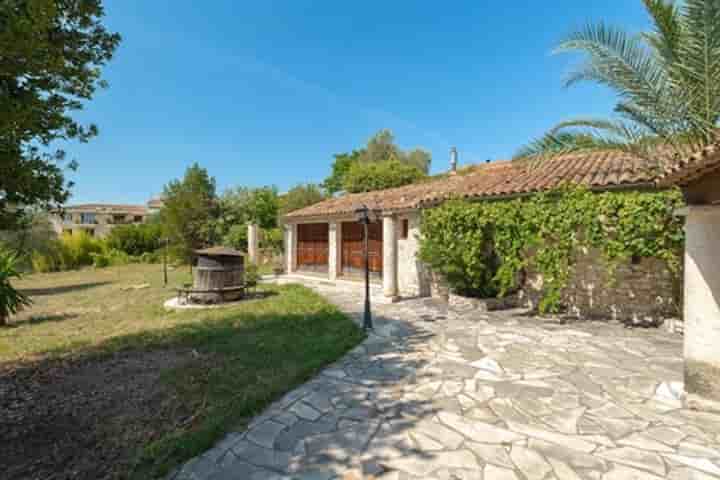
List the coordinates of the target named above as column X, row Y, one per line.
column 11, row 300
column 111, row 258
column 135, row 239
column 371, row 176
column 71, row 251
column 236, row 237
column 272, row 239
column 252, row 275
column 485, row 246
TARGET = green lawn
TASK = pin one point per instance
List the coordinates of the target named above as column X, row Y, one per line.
column 201, row 374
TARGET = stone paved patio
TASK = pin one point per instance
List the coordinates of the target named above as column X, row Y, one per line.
column 447, row 395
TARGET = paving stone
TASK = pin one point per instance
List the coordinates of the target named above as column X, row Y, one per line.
column 577, row 460
column 305, row 411
column 635, row 458
column 478, row 431
column 530, row 463
column 573, row 442
column 667, row 435
column 688, row 474
column 563, row 470
column 565, row 421
column 488, row 453
column 644, row 442
column 491, row 472
column 701, row 464
column 620, row 472
column 265, row 433
column 423, row 465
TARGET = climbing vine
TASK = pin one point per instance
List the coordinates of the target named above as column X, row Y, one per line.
column 483, row 248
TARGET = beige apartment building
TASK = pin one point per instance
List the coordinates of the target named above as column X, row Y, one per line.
column 98, row 219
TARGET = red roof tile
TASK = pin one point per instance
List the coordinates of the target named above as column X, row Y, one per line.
column 692, row 167
column 597, row 170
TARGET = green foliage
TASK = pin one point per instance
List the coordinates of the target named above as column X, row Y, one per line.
column 190, row 210
column 11, row 300
column 272, row 240
column 69, row 252
column 135, row 239
column 380, row 148
column 368, row 177
column 52, row 57
column 666, row 81
column 252, row 275
column 300, row 196
column 112, row 258
column 236, row 237
column 485, row 247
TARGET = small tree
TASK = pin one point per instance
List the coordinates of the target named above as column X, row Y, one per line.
column 189, row 210
column 11, row 300
column 367, row 177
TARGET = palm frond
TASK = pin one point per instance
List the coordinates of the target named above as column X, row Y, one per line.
column 698, row 68
column 668, row 29
column 619, row 61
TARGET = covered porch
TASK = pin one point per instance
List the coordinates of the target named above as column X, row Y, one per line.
column 333, row 249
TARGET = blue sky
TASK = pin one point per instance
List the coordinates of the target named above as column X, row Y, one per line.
column 266, row 92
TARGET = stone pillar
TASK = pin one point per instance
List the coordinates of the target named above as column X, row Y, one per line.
column 390, row 273
column 333, row 247
column 290, row 247
column 253, row 243
column 702, row 307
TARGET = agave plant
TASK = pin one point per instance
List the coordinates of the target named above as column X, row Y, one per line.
column 11, row 300
column 667, row 81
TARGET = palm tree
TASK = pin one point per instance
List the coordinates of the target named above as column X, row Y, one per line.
column 667, row 81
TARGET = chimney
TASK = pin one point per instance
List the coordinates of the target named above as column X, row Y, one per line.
column 453, row 160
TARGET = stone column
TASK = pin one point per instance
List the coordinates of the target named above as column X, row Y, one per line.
column 290, row 247
column 333, row 249
column 253, row 242
column 390, row 273
column 702, row 307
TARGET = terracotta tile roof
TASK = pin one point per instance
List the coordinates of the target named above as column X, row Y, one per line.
column 692, row 167
column 597, row 170
column 108, row 208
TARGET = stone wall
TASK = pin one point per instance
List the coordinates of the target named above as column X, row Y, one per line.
column 640, row 292
column 413, row 276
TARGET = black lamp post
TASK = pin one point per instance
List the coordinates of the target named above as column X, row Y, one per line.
column 366, row 216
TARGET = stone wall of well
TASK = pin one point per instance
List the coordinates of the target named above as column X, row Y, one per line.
column 642, row 291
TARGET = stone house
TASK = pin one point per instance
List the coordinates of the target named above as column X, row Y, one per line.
column 325, row 239
column 97, row 220
column 699, row 178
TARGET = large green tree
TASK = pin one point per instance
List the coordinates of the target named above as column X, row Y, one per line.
column 190, row 210
column 300, row 196
column 380, row 148
column 667, row 81
column 51, row 55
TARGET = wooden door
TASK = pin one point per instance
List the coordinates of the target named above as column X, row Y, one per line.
column 353, row 260
column 312, row 246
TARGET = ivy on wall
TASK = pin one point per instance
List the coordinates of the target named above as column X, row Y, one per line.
column 482, row 248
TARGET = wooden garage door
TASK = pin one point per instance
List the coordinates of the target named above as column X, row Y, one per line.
column 353, row 260
column 312, row 246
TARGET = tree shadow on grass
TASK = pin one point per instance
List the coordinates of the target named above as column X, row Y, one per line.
column 40, row 319
column 179, row 390
column 40, row 292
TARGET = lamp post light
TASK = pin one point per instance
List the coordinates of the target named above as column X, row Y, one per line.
column 365, row 216
column 166, row 241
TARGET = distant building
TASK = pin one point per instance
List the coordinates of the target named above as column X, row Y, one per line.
column 97, row 219
column 155, row 205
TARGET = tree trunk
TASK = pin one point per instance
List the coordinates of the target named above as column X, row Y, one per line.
column 3, row 320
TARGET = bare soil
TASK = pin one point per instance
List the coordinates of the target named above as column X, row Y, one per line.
column 86, row 419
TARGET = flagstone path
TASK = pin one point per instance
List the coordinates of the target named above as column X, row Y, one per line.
column 453, row 395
